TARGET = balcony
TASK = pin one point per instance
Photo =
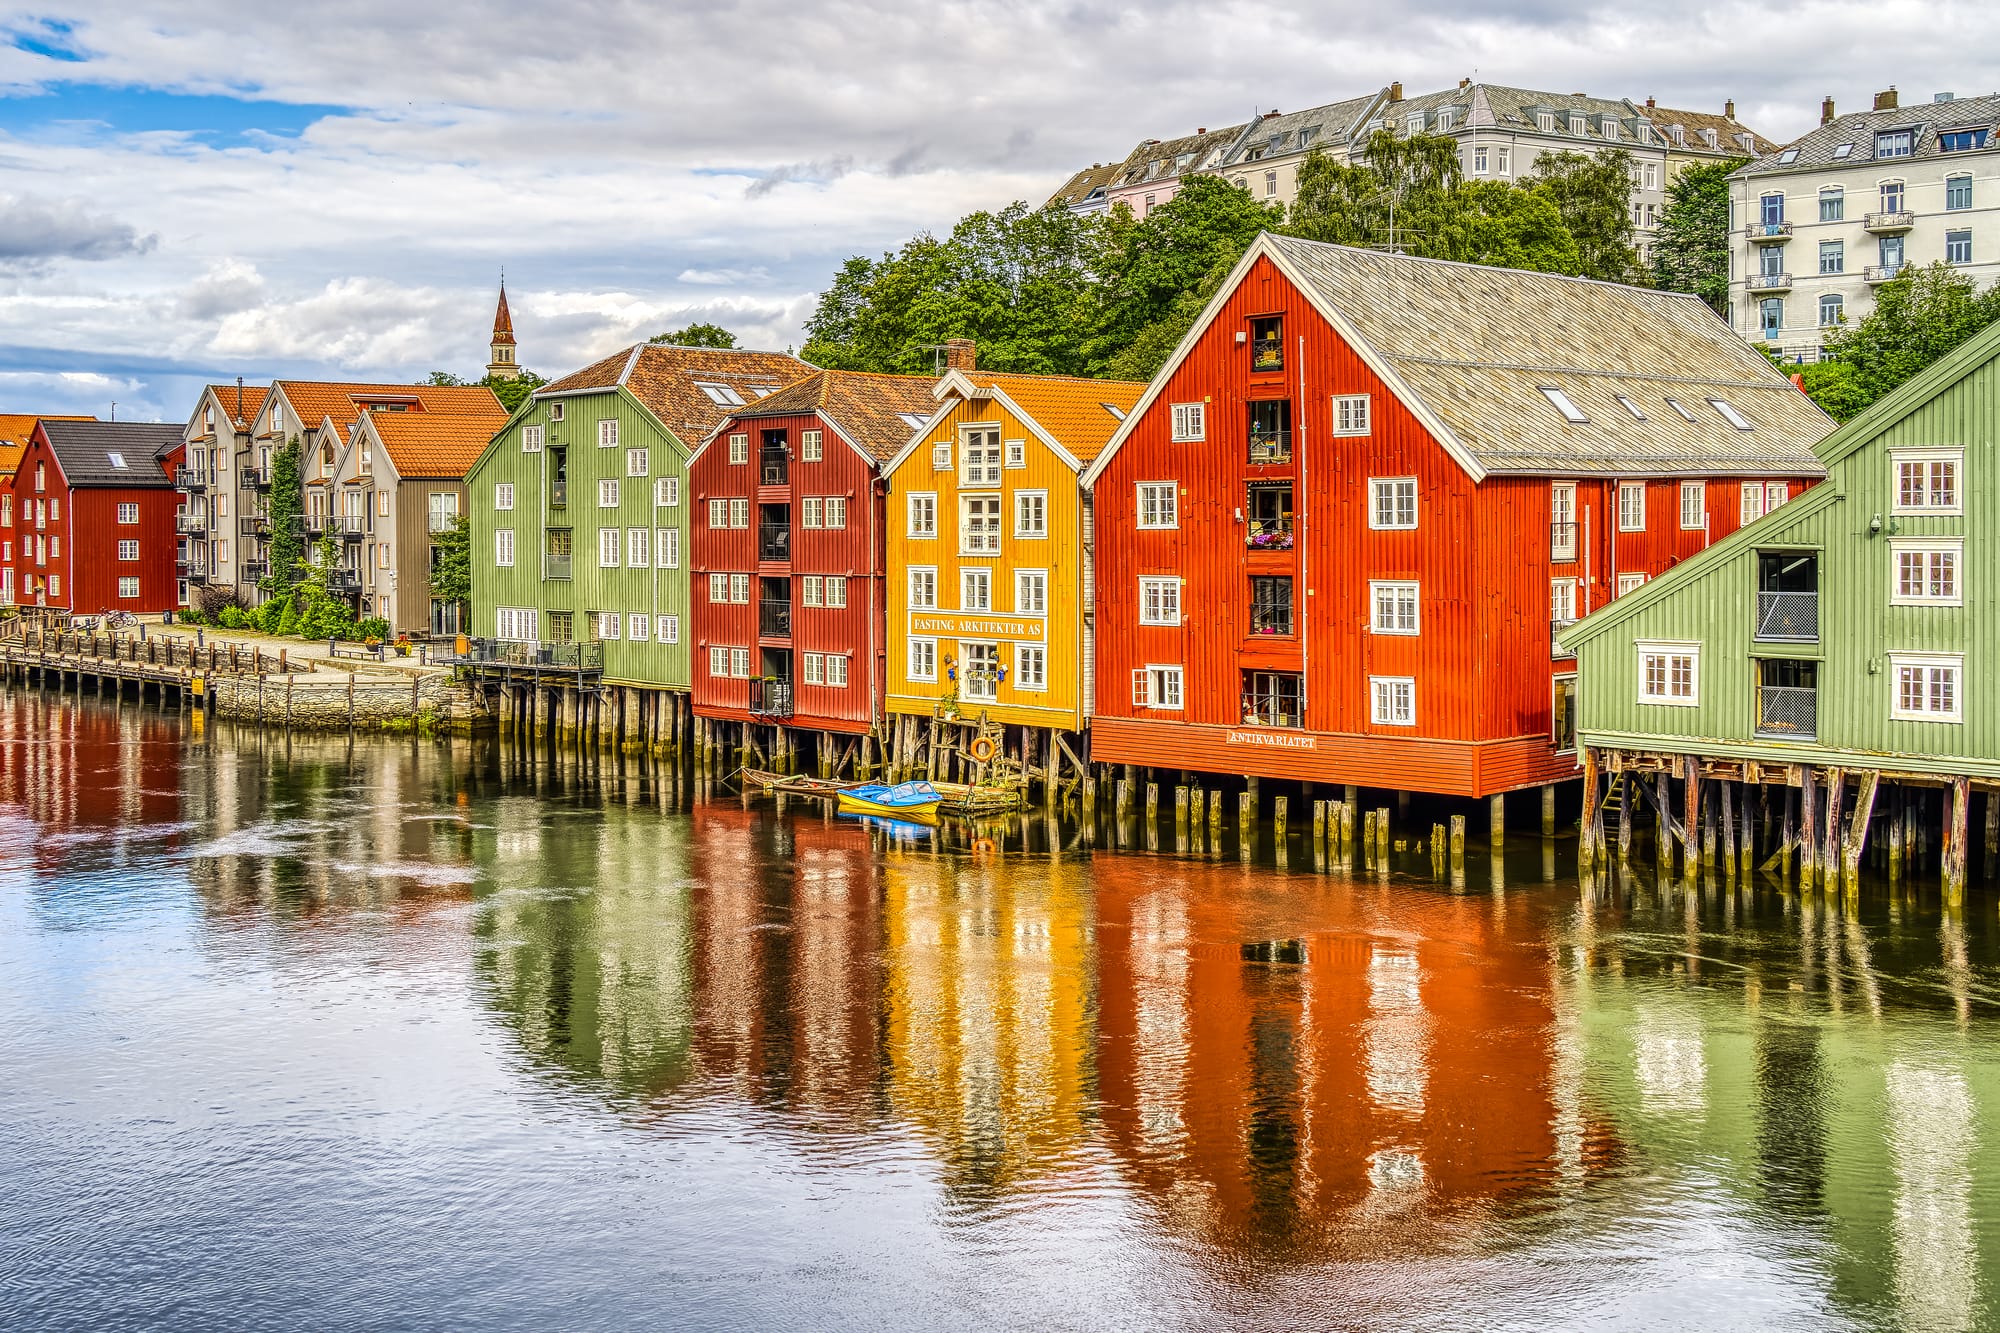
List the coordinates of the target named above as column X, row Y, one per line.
column 774, row 542
column 197, row 577
column 1789, row 712
column 254, row 525
column 1788, row 617
column 1272, row 699
column 1893, row 222
column 774, row 618
column 512, row 652
column 555, row 566
column 255, row 478
column 314, row 525
column 1562, row 542
column 773, row 468
column 1270, row 447
column 192, row 524
column 1556, row 627
column 190, row 479
column 1770, row 233
column 256, row 571
column 771, row 698
column 1269, row 534
column 351, row 527
column 1770, row 284
column 1877, row 274
column 344, row 581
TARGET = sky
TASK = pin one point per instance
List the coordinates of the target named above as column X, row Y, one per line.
column 210, row 188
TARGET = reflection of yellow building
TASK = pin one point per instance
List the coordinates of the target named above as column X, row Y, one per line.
column 990, row 1035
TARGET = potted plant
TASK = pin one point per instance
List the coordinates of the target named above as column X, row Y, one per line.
column 402, row 645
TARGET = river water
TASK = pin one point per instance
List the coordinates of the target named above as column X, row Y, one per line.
column 410, row 1034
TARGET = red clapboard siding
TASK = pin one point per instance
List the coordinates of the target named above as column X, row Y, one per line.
column 87, row 528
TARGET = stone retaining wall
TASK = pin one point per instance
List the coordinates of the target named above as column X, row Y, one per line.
column 319, row 704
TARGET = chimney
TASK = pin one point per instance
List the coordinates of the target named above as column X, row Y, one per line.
column 1729, row 109
column 1464, row 84
column 239, row 402
column 1886, row 99
column 961, row 354
column 1826, row 111
column 1202, row 130
column 1651, row 105
column 1270, row 114
column 1396, row 91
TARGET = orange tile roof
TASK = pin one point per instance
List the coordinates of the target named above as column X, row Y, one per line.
column 667, row 379
column 437, row 444
column 1073, row 410
column 253, row 399
column 15, row 428
column 316, row 400
column 868, row 408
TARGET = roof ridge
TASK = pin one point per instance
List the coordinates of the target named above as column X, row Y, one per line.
column 1485, row 268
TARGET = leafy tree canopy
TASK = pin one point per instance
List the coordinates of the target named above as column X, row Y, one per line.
column 511, row 392
column 700, row 334
column 1919, row 316
column 1691, row 248
column 451, row 569
column 1593, row 195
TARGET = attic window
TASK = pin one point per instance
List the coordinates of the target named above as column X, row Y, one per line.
column 1307, row 135
column 1731, row 415
column 1845, row 150
column 721, row 394
column 1681, row 408
column 1113, row 409
column 1571, row 412
column 1631, row 407
column 117, row 459
column 1789, row 156
column 913, row 420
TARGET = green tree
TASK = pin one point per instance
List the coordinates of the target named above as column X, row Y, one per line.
column 512, row 393
column 1691, row 248
column 444, row 379
column 287, row 508
column 1593, row 195
column 1490, row 222
column 700, row 334
column 1919, row 316
column 451, row 565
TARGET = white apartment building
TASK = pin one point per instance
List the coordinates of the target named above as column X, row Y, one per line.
column 1817, row 226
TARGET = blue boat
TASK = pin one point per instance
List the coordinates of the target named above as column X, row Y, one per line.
column 906, row 800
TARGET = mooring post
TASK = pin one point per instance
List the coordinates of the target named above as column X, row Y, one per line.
column 1956, row 832
column 1458, row 844
column 1280, row 810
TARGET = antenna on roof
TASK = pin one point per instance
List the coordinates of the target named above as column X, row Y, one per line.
column 114, row 409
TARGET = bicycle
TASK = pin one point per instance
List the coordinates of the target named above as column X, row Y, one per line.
column 117, row 619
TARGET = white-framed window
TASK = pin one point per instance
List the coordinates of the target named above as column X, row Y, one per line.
column 1631, row 506
column 979, row 457
column 503, row 547
column 718, row 662
column 813, row 667
column 607, row 433
column 638, row 462
column 975, row 590
column 923, row 588
column 941, row 456
column 1156, row 686
column 607, row 493
column 638, row 548
column 812, row 588
column 608, row 623
column 1775, row 494
column 128, row 586
column 810, row 448
column 1928, row 687
column 739, row 663
column 1753, row 502
column 1350, row 414
column 1562, row 601
column 1669, row 673
column 381, row 504
column 739, row 448
column 503, row 495
column 739, row 589
column 1031, row 667
column 1159, row 601
column 1017, row 453
column 718, row 513
column 1190, row 422
column 1694, row 505
column 667, row 628
column 1159, row 504
column 1392, row 701
column 1924, row 571
column 923, row 514
column 739, row 513
column 1392, row 502
column 127, row 513
column 1031, row 592
column 812, row 512
column 667, row 492
column 979, row 524
column 836, row 511
column 923, row 659
column 515, row 624
column 836, row 590
column 531, row 439
column 836, row 670
column 1395, row 606
column 1630, row 583
column 1031, row 513
column 608, row 542
column 667, row 547
column 638, row 627
column 1926, row 481
column 128, row 549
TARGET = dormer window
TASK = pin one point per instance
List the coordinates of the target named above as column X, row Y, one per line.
column 1608, row 127
column 1961, row 141
column 1545, row 121
column 1576, row 125
column 1643, row 132
column 1307, row 135
column 1711, row 138
column 1416, row 123
column 1444, row 120
column 1895, row 143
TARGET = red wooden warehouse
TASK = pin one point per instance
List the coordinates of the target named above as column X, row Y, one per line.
column 93, row 509
column 1336, row 535
column 786, row 551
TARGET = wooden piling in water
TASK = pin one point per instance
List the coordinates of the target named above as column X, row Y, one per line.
column 1458, row 844
column 1280, row 821
column 1956, row 831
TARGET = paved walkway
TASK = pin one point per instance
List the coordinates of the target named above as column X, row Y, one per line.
column 313, row 650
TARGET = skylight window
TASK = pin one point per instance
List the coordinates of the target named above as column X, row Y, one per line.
column 1631, row 407
column 1731, row 415
column 1681, row 408
column 913, row 420
column 1787, row 157
column 1571, row 412
column 1112, row 408
column 117, row 459
column 1845, row 150
column 721, row 394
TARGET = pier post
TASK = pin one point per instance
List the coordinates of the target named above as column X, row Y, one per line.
column 1280, row 821
column 1808, row 829
column 1548, row 809
column 1215, row 821
column 1992, row 801
column 1246, row 820
column 1347, row 817
column 1836, row 794
column 1181, row 813
column 1152, row 804
column 1382, row 830
column 1458, row 844
column 1857, row 834
column 1319, row 824
column 1496, row 818
column 1956, row 832
column 1725, row 794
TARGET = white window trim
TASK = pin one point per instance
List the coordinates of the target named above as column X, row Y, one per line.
column 1375, row 716
column 1021, row 574
column 1367, row 426
column 1690, row 648
column 929, row 674
column 1897, row 661
column 909, row 587
column 1700, row 523
column 1640, row 488
column 1188, row 422
column 1173, row 489
column 1013, row 453
column 966, row 577
column 1898, row 457
column 1020, row 680
column 965, row 533
column 1899, row 545
column 1156, row 672
column 1024, row 533
column 1375, row 587
column 1178, row 585
column 910, row 515
column 1416, row 515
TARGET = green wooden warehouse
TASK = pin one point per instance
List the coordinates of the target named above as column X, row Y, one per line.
column 1827, row 671
column 578, row 528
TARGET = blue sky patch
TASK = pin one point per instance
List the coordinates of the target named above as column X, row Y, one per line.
column 72, row 110
column 52, row 39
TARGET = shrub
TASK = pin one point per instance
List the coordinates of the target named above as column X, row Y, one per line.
column 288, row 622
column 234, row 617
column 269, row 614
column 190, row 616
column 375, row 627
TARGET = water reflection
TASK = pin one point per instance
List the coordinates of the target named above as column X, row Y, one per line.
column 1220, row 1087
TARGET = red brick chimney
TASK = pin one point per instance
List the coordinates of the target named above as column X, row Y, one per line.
column 1729, row 109
column 1826, row 111
column 961, row 354
column 1886, row 99
column 1396, row 91
column 1464, row 84
column 1651, row 105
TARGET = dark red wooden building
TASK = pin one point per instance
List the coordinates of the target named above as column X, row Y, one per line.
column 787, row 551
column 1337, row 534
column 93, row 509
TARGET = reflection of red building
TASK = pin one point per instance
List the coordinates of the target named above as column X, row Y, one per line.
column 77, row 768
column 1345, row 1076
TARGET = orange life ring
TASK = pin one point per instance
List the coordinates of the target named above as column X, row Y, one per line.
column 981, row 749
column 982, row 844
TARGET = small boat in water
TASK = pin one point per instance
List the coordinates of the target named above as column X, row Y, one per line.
column 906, row 800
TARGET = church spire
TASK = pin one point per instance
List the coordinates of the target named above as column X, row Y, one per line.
column 503, row 365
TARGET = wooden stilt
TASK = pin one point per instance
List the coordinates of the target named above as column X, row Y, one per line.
column 1808, row 829
column 1857, row 833
column 1836, row 796
column 1624, row 816
column 1955, row 843
column 1586, row 850
column 1725, row 800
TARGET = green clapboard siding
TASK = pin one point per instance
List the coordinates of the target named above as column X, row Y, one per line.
column 591, row 588
column 1712, row 600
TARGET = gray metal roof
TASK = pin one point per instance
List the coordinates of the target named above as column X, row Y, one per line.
column 1331, row 126
column 90, row 451
column 1477, row 345
column 1816, row 151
